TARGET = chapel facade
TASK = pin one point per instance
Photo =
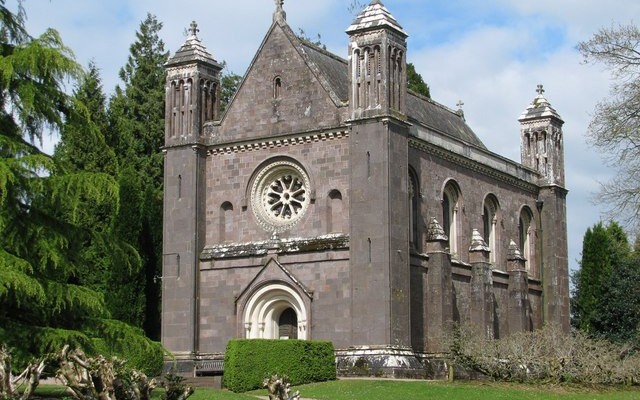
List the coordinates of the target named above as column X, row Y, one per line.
column 330, row 202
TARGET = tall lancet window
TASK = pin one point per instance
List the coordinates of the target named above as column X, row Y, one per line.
column 277, row 87
column 525, row 234
column 414, row 214
column 489, row 222
column 451, row 201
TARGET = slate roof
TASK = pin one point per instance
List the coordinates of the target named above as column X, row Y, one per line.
column 333, row 72
column 332, row 68
column 440, row 119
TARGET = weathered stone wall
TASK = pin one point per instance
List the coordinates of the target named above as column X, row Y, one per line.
column 183, row 213
column 303, row 103
column 325, row 274
column 434, row 171
column 324, row 157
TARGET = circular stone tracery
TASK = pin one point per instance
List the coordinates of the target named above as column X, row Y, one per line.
column 280, row 195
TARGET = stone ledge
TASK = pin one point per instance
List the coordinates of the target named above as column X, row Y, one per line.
column 336, row 241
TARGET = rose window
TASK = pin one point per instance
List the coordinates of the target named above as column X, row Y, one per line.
column 280, row 195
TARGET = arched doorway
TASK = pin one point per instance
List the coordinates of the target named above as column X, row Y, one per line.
column 275, row 311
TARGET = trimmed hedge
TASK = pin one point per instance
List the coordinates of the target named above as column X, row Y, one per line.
column 247, row 362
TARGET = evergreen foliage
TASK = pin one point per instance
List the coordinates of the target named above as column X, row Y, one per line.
column 82, row 149
column 415, row 82
column 82, row 145
column 229, row 86
column 248, row 362
column 606, row 289
column 46, row 230
column 618, row 318
column 136, row 132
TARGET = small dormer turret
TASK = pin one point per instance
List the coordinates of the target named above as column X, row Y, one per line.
column 377, row 63
column 192, row 93
column 541, row 140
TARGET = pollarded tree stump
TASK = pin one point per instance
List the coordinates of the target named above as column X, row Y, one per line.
column 279, row 388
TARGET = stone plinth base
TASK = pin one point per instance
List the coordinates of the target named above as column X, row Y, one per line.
column 194, row 365
column 379, row 361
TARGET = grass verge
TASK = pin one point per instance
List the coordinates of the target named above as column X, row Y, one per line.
column 364, row 389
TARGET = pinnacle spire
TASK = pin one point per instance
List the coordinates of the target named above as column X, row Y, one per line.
column 279, row 15
column 514, row 253
column 539, row 107
column 435, row 233
column 375, row 16
column 192, row 50
column 478, row 243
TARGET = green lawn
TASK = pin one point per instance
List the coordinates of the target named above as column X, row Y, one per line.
column 356, row 389
column 415, row 390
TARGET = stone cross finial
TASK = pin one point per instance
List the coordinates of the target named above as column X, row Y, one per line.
column 194, row 28
column 279, row 15
column 540, row 90
column 460, row 111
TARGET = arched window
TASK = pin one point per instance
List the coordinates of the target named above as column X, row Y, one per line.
column 277, row 87
column 414, row 214
column 525, row 236
column 335, row 213
column 489, row 222
column 226, row 222
column 450, row 218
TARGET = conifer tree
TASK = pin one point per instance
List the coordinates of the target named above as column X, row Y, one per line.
column 136, row 114
column 42, row 304
column 605, row 249
column 618, row 311
column 415, row 82
column 83, row 147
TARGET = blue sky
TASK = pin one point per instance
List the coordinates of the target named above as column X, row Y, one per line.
column 490, row 54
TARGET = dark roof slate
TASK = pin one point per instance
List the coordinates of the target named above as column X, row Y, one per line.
column 333, row 68
column 440, row 118
column 334, row 72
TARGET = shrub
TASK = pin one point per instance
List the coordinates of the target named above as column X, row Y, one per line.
column 248, row 362
column 129, row 343
column 547, row 355
column 176, row 388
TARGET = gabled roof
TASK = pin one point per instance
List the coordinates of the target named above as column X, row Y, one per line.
column 332, row 72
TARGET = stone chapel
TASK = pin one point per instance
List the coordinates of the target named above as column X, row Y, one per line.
column 330, row 202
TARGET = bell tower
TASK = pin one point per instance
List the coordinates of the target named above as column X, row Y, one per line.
column 541, row 139
column 377, row 64
column 379, row 183
column 191, row 98
column 542, row 150
column 192, row 91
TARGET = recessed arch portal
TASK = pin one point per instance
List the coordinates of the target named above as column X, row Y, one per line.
column 271, row 306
